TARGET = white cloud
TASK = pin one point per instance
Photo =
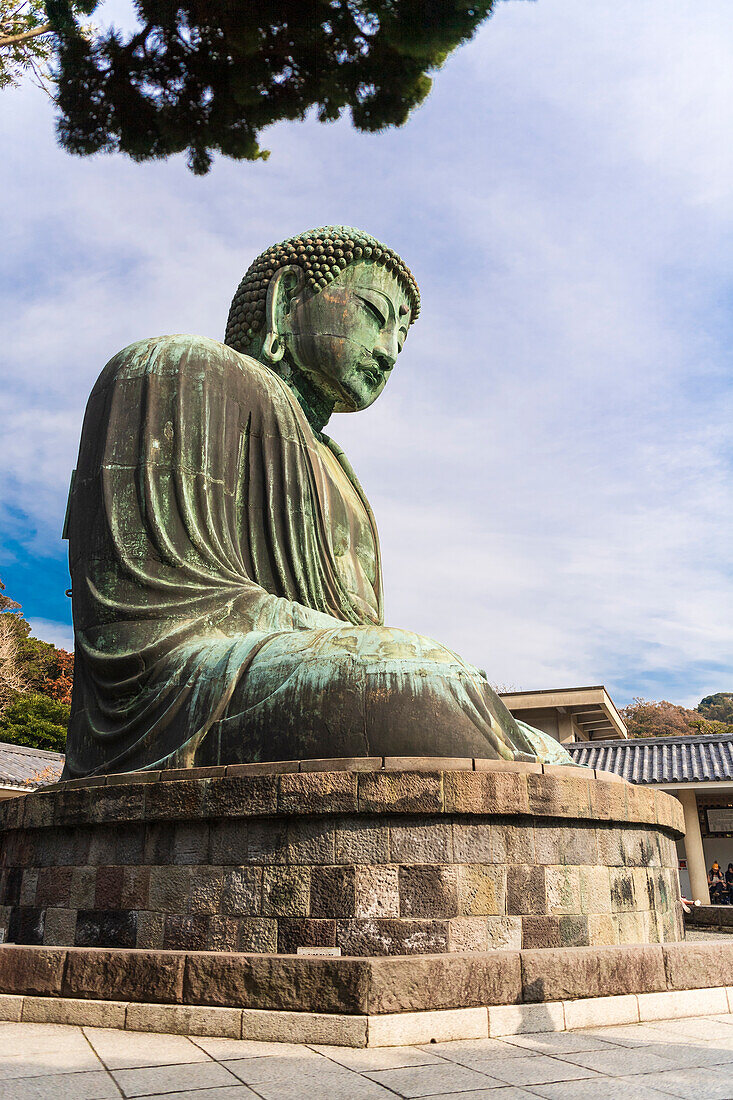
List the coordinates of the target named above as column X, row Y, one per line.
column 60, row 634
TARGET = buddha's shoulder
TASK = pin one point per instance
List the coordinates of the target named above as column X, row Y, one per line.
column 182, row 355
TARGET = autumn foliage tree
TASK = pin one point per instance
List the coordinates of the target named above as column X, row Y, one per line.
column 647, row 718
column 35, row 683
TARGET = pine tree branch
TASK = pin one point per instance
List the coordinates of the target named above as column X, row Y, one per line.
column 24, row 36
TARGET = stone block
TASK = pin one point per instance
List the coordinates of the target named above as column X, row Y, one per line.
column 428, row 891
column 610, row 845
column 376, row 891
column 228, row 841
column 31, row 970
column 26, row 925
column 562, row 796
column 630, row 927
column 73, row 806
column 591, row 972
column 526, row 1019
column 427, row 763
column 623, row 896
column 213, row 771
column 11, row 1008
column 295, row 932
column 186, row 933
column 170, row 889
column 485, row 792
column 131, row 975
column 669, row 812
column 286, row 892
column 77, row 1013
column 190, row 843
column 387, row 936
column 13, row 883
column 135, row 887
column 360, row 840
column 318, row 793
column 242, row 891
column 150, row 927
column 11, row 812
column 333, row 892
column 83, row 887
column 539, row 932
column 697, row 965
column 608, row 801
column 421, row 841
column 601, row 929
column 310, row 840
column 105, row 928
column 305, row 1027
column 485, row 764
column 641, row 804
column 181, row 799
column 680, row 1003
column 511, row 843
column 342, row 764
column 267, row 842
column 409, row 1028
column 185, row 1020
column 29, row 882
column 108, row 889
column 257, row 934
column 117, row 803
column 482, row 890
column 277, row 982
column 241, row 795
column 159, row 842
column 207, row 885
column 400, row 792
column 265, row 767
column 504, row 933
column 526, row 890
column 601, row 1012
column 574, row 930
column 474, row 843
column 126, row 778
column 59, row 928
column 468, row 934
column 38, row 810
column 559, row 843
column 110, row 844
column 562, row 890
column 223, row 934
column 595, row 890
column 53, row 886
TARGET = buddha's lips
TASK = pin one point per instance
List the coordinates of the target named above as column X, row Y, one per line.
column 372, row 372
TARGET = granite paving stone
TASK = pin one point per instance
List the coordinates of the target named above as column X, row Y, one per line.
column 226, row 1092
column 39, row 1063
column 136, row 1049
column 97, row 1085
column 169, row 1078
column 419, row 1081
column 536, row 1069
column 618, row 1088
column 695, row 1084
column 616, row 1063
column 378, row 1058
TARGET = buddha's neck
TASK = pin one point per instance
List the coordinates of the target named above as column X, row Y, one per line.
column 316, row 405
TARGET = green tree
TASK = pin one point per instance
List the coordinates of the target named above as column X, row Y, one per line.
column 35, row 720
column 718, row 707
column 206, row 77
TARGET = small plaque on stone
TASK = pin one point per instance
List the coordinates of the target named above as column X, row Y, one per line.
column 332, row 952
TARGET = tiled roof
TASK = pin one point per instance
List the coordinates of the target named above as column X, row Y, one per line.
column 26, row 769
column 694, row 759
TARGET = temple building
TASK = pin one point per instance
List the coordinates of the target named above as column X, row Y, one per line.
column 23, row 769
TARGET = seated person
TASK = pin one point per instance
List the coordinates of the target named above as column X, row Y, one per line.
column 717, row 886
column 226, row 574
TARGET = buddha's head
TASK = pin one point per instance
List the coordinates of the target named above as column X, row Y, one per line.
column 333, row 305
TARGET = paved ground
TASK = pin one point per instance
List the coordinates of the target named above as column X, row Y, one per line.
column 683, row 1058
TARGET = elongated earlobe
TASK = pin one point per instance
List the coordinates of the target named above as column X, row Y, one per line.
column 273, row 347
column 284, row 284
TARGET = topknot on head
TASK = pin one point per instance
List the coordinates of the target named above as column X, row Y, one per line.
column 322, row 254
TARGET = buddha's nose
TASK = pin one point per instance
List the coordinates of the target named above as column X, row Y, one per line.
column 386, row 351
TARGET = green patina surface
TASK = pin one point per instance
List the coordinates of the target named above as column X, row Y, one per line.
column 225, row 561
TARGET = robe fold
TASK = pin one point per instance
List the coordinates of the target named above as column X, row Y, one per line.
column 227, row 590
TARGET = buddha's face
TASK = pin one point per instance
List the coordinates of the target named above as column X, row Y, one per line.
column 348, row 336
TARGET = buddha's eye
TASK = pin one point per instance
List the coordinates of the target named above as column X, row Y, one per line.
column 373, row 310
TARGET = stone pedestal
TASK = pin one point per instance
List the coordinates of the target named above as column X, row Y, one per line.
column 377, row 857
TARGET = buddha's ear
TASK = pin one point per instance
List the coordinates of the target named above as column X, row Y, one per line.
column 284, row 286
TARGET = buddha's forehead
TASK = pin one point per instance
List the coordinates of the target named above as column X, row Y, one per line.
column 374, row 276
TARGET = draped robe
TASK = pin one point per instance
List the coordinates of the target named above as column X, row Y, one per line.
column 227, row 588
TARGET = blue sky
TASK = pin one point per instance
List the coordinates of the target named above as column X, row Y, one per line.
column 551, row 465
